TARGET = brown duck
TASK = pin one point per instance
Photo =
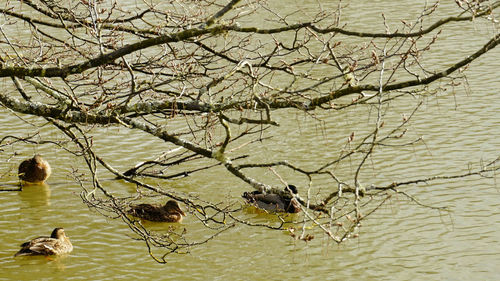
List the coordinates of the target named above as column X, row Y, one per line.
column 274, row 202
column 34, row 170
column 170, row 212
column 57, row 244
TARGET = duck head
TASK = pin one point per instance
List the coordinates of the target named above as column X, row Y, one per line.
column 58, row 233
column 173, row 207
column 291, row 188
column 37, row 160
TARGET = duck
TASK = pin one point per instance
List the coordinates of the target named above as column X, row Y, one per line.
column 274, row 202
column 170, row 212
column 35, row 170
column 57, row 244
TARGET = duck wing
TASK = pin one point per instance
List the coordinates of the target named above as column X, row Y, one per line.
column 143, row 209
column 47, row 248
column 255, row 196
column 147, row 211
column 269, row 199
column 34, row 240
column 38, row 246
column 269, row 202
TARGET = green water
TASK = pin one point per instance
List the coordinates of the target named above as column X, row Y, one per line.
column 400, row 242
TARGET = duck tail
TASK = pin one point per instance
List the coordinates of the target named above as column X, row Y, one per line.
column 249, row 196
column 246, row 195
column 22, row 253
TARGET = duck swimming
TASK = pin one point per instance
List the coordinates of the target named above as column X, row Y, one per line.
column 274, row 202
column 34, row 170
column 57, row 244
column 170, row 212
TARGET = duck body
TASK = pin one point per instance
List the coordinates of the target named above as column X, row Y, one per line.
column 35, row 170
column 274, row 202
column 170, row 212
column 57, row 244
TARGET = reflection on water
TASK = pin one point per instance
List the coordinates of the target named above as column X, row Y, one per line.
column 34, row 195
column 55, row 262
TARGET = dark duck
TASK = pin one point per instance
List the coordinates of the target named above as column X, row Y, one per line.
column 274, row 202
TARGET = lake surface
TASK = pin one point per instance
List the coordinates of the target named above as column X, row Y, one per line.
column 402, row 241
